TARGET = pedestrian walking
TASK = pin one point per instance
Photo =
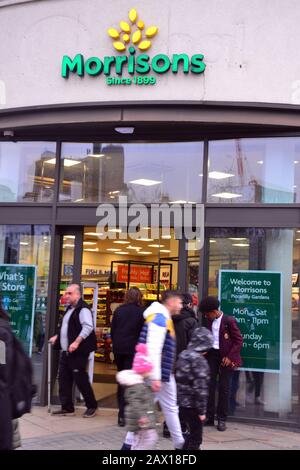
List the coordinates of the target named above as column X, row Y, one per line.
column 127, row 323
column 140, row 415
column 223, row 358
column 192, row 376
column 184, row 324
column 16, row 436
column 159, row 335
column 16, row 385
column 6, row 367
column 76, row 339
column 254, row 380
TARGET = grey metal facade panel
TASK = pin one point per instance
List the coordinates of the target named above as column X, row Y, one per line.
column 23, row 214
column 86, row 215
column 76, row 216
column 215, row 216
column 286, row 217
column 48, row 117
column 185, row 112
column 214, row 115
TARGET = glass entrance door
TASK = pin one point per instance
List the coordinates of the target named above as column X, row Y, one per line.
column 106, row 269
column 67, row 266
column 115, row 265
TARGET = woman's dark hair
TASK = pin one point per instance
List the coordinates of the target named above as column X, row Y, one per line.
column 187, row 299
column 133, row 296
column 209, row 304
column 169, row 294
column 3, row 313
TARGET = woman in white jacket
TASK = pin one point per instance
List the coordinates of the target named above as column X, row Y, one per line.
column 159, row 335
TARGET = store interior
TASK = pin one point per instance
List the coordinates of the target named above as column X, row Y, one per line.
column 109, row 267
column 112, row 265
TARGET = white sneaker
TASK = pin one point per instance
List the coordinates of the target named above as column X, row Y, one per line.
column 259, row 401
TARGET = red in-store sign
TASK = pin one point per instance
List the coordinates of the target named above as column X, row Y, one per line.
column 142, row 274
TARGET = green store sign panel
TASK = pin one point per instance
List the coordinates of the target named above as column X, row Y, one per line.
column 132, row 66
column 254, row 299
column 17, row 290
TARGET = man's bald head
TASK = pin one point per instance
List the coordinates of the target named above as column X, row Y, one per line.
column 73, row 294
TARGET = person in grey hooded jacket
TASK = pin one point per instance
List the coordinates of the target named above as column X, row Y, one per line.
column 192, row 376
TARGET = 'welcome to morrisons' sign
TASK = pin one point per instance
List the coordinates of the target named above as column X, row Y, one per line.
column 254, row 299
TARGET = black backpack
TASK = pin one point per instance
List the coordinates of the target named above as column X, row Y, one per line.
column 22, row 388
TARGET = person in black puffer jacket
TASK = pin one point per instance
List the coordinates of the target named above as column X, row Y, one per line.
column 184, row 323
column 192, row 377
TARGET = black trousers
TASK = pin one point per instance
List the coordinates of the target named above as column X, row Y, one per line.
column 123, row 362
column 256, row 379
column 6, row 431
column 191, row 418
column 72, row 368
column 224, row 375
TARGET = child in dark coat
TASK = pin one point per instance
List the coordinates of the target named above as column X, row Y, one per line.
column 192, row 376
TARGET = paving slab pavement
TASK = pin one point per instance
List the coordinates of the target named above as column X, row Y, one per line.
column 41, row 431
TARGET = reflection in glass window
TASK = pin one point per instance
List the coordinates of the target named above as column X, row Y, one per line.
column 193, row 270
column 255, row 393
column 264, row 170
column 27, row 171
column 156, row 172
column 30, row 245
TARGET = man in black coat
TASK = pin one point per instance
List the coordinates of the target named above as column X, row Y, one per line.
column 127, row 323
column 76, row 339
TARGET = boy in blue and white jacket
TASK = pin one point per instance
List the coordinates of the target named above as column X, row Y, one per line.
column 159, row 335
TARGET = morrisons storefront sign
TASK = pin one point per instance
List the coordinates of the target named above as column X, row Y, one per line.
column 133, row 67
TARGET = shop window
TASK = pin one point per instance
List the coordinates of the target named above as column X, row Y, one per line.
column 67, row 261
column 28, row 245
column 27, row 171
column 262, row 170
column 193, row 261
column 269, row 386
column 145, row 173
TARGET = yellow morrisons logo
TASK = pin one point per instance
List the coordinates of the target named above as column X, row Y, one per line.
column 133, row 32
